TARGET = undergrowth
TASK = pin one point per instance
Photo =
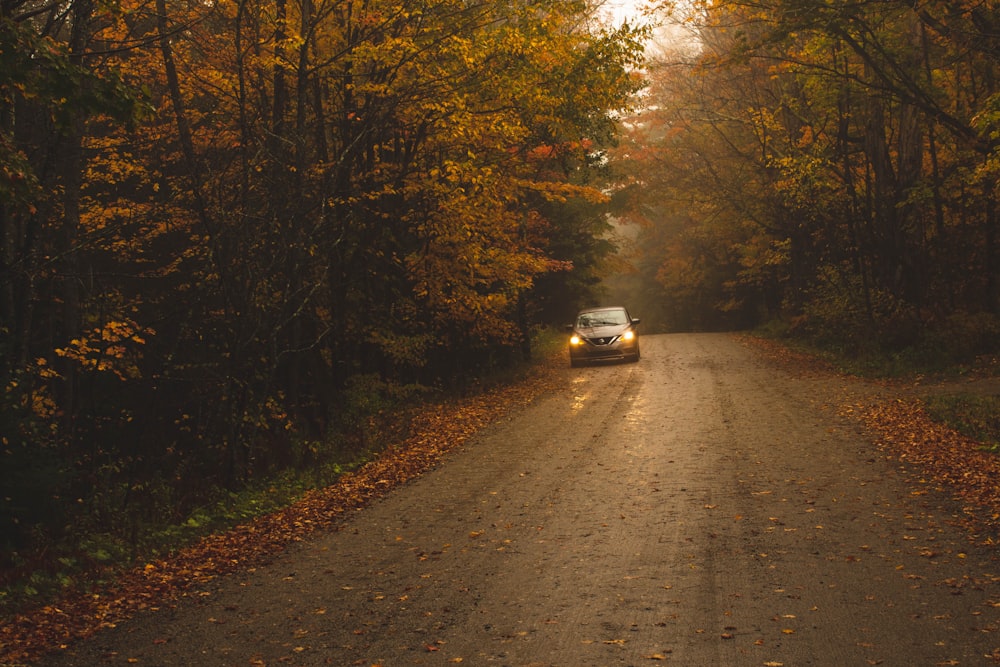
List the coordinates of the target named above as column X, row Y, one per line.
column 85, row 555
column 958, row 346
column 976, row 416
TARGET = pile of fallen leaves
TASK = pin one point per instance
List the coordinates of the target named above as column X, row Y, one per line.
column 947, row 460
column 434, row 431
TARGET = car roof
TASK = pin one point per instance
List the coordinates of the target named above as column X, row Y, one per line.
column 598, row 310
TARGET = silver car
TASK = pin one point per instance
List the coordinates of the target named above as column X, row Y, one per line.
column 603, row 333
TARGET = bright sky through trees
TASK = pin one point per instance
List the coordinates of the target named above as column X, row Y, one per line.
column 620, row 11
column 666, row 34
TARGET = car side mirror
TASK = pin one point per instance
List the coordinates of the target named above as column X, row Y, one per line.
column 636, row 320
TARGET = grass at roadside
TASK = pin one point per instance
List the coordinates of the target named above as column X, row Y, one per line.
column 974, row 415
column 85, row 558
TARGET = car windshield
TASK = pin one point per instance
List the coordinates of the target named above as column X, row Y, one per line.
column 602, row 318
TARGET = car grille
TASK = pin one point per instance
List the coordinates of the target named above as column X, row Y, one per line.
column 602, row 341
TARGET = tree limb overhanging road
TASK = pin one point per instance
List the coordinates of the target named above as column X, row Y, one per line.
column 701, row 507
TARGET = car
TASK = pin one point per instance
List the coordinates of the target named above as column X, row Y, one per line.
column 603, row 333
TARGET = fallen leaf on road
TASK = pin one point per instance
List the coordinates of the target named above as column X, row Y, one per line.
column 906, row 432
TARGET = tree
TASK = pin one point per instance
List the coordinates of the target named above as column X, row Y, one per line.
column 316, row 207
column 850, row 136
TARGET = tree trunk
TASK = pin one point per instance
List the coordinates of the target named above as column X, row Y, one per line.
column 991, row 266
column 70, row 174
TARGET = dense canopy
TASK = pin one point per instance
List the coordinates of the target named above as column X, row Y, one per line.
column 229, row 229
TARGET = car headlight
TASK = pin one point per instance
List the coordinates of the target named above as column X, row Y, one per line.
column 574, row 340
column 628, row 335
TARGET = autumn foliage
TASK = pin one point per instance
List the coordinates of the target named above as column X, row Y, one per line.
column 830, row 164
column 231, row 229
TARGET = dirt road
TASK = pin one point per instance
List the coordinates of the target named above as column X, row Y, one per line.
column 697, row 508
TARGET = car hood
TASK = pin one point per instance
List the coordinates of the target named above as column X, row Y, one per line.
column 603, row 331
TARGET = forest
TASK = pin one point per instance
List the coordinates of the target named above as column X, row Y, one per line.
column 827, row 166
column 235, row 233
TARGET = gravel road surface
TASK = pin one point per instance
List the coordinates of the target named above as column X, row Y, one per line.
column 701, row 507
